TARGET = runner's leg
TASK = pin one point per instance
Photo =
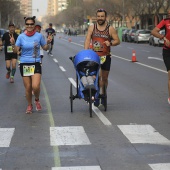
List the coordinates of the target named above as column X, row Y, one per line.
column 28, row 88
column 8, row 68
column 36, row 80
column 14, row 61
column 103, row 80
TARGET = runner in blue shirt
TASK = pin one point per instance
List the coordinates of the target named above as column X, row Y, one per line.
column 30, row 61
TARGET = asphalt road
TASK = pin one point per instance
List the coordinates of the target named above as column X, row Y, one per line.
column 133, row 134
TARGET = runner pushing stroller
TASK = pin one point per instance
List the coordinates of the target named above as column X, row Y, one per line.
column 87, row 65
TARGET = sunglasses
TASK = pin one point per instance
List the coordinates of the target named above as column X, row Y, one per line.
column 31, row 24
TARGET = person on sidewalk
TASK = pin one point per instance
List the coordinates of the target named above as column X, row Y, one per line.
column 30, row 60
column 10, row 57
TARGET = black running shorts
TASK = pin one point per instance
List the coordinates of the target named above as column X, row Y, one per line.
column 166, row 58
column 36, row 70
column 10, row 56
column 106, row 65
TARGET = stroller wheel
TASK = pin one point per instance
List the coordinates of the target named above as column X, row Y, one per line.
column 71, row 97
column 90, row 102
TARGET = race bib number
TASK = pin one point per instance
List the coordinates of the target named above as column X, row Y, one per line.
column 28, row 70
column 9, row 49
column 102, row 59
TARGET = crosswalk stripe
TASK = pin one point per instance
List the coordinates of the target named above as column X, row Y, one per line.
column 71, row 135
column 161, row 166
column 6, row 136
column 78, row 168
column 143, row 134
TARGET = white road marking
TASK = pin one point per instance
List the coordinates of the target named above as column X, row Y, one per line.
column 120, row 57
column 146, row 51
column 154, row 68
column 161, row 166
column 71, row 135
column 143, row 134
column 62, row 68
column 101, row 116
column 78, row 168
column 73, row 82
column 55, row 60
column 6, row 136
column 78, row 44
column 156, row 58
column 95, row 109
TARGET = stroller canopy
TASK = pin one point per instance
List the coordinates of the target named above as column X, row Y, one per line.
column 86, row 55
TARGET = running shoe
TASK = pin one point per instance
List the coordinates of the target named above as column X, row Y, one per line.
column 11, row 79
column 29, row 109
column 8, row 75
column 51, row 54
column 97, row 102
column 169, row 100
column 38, row 105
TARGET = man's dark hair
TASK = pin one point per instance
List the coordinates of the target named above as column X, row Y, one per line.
column 101, row 10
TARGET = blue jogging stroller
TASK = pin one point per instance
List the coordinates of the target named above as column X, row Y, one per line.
column 86, row 63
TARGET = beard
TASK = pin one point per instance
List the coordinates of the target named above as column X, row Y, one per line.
column 101, row 22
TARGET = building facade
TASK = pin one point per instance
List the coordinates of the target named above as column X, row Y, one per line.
column 26, row 7
column 56, row 6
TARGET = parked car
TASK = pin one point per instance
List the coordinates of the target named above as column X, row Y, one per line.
column 142, row 36
column 157, row 41
column 130, row 35
column 124, row 35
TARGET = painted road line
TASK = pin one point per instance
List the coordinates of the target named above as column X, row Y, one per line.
column 120, row 57
column 62, row 68
column 101, row 116
column 6, row 136
column 55, row 60
column 70, row 135
column 146, row 51
column 78, row 168
column 73, row 82
column 143, row 134
column 95, row 109
column 155, row 58
column 161, row 166
column 78, row 44
column 57, row 161
column 154, row 68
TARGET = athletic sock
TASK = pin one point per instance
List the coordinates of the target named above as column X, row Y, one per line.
column 13, row 72
column 8, row 69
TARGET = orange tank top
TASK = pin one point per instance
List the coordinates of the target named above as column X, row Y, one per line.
column 98, row 39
